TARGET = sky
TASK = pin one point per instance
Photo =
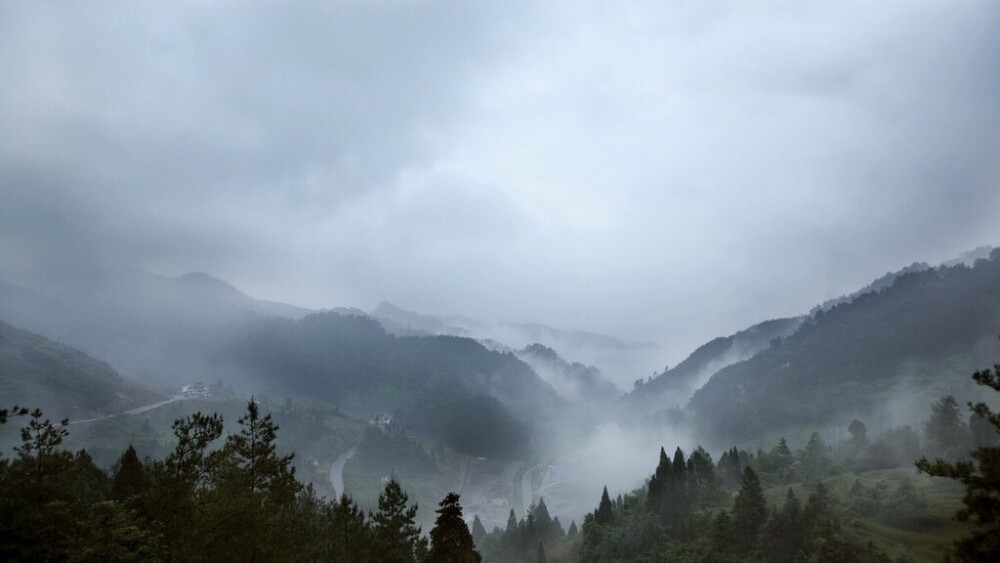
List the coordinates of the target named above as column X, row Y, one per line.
column 660, row 171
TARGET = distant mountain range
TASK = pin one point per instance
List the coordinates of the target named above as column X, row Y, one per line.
column 618, row 359
column 881, row 354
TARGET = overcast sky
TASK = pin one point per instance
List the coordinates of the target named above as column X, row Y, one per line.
column 664, row 172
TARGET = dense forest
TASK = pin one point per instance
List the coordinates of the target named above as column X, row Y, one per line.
column 212, row 498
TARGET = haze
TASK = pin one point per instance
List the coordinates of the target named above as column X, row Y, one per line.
column 663, row 173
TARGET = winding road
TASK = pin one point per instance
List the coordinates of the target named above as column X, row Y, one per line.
column 337, row 471
column 137, row 410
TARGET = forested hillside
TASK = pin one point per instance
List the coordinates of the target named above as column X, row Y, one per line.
column 915, row 340
column 351, row 361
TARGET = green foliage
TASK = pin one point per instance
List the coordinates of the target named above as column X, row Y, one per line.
column 451, row 541
column 946, row 434
column 749, row 510
column 395, row 532
column 981, row 477
column 383, row 450
column 433, row 382
column 479, row 425
column 851, row 358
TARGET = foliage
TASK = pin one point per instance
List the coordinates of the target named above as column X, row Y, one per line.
column 981, row 477
column 240, row 499
column 451, row 541
column 393, row 527
column 849, row 358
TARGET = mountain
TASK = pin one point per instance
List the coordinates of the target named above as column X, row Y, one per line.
column 618, row 359
column 675, row 386
column 353, row 362
column 160, row 329
column 62, row 381
column 883, row 357
column 575, row 382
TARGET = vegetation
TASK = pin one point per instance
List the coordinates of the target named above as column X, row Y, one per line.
column 451, row 387
column 981, row 475
column 934, row 326
column 239, row 498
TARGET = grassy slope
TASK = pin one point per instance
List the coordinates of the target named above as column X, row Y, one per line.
column 64, row 382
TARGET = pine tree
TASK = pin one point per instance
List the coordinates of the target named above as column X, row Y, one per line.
column 945, row 431
column 396, row 532
column 573, row 530
column 451, row 541
column 128, row 477
column 348, row 536
column 478, row 530
column 542, row 521
column 749, row 509
column 604, row 514
column 253, row 465
column 981, row 477
column 172, row 499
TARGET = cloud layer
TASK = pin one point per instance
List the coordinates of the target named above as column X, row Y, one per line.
column 660, row 171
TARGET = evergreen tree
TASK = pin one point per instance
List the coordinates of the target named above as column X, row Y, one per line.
column 815, row 458
column 128, row 476
column 542, row 521
column 784, row 533
column 347, row 535
column 451, row 541
column 172, row 500
column 945, row 432
column 749, row 509
column 604, row 514
column 396, row 533
column 981, row 477
column 540, row 558
column 478, row 530
column 252, row 464
column 573, row 530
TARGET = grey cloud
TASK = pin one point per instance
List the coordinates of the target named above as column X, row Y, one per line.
column 666, row 172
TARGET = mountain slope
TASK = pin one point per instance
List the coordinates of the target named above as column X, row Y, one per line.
column 618, row 359
column 156, row 328
column 64, row 382
column 353, row 362
column 673, row 387
column 882, row 356
column 574, row 382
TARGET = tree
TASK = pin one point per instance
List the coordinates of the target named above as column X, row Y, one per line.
column 749, row 509
column 604, row 514
column 177, row 478
column 451, row 541
column 540, row 558
column 478, row 530
column 945, row 432
column 128, row 476
column 396, row 532
column 981, row 477
column 252, row 464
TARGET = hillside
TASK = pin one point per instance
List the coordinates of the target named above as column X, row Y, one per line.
column 354, row 363
column 673, row 387
column 575, row 382
column 883, row 356
column 63, row 381
column 157, row 328
column 619, row 360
